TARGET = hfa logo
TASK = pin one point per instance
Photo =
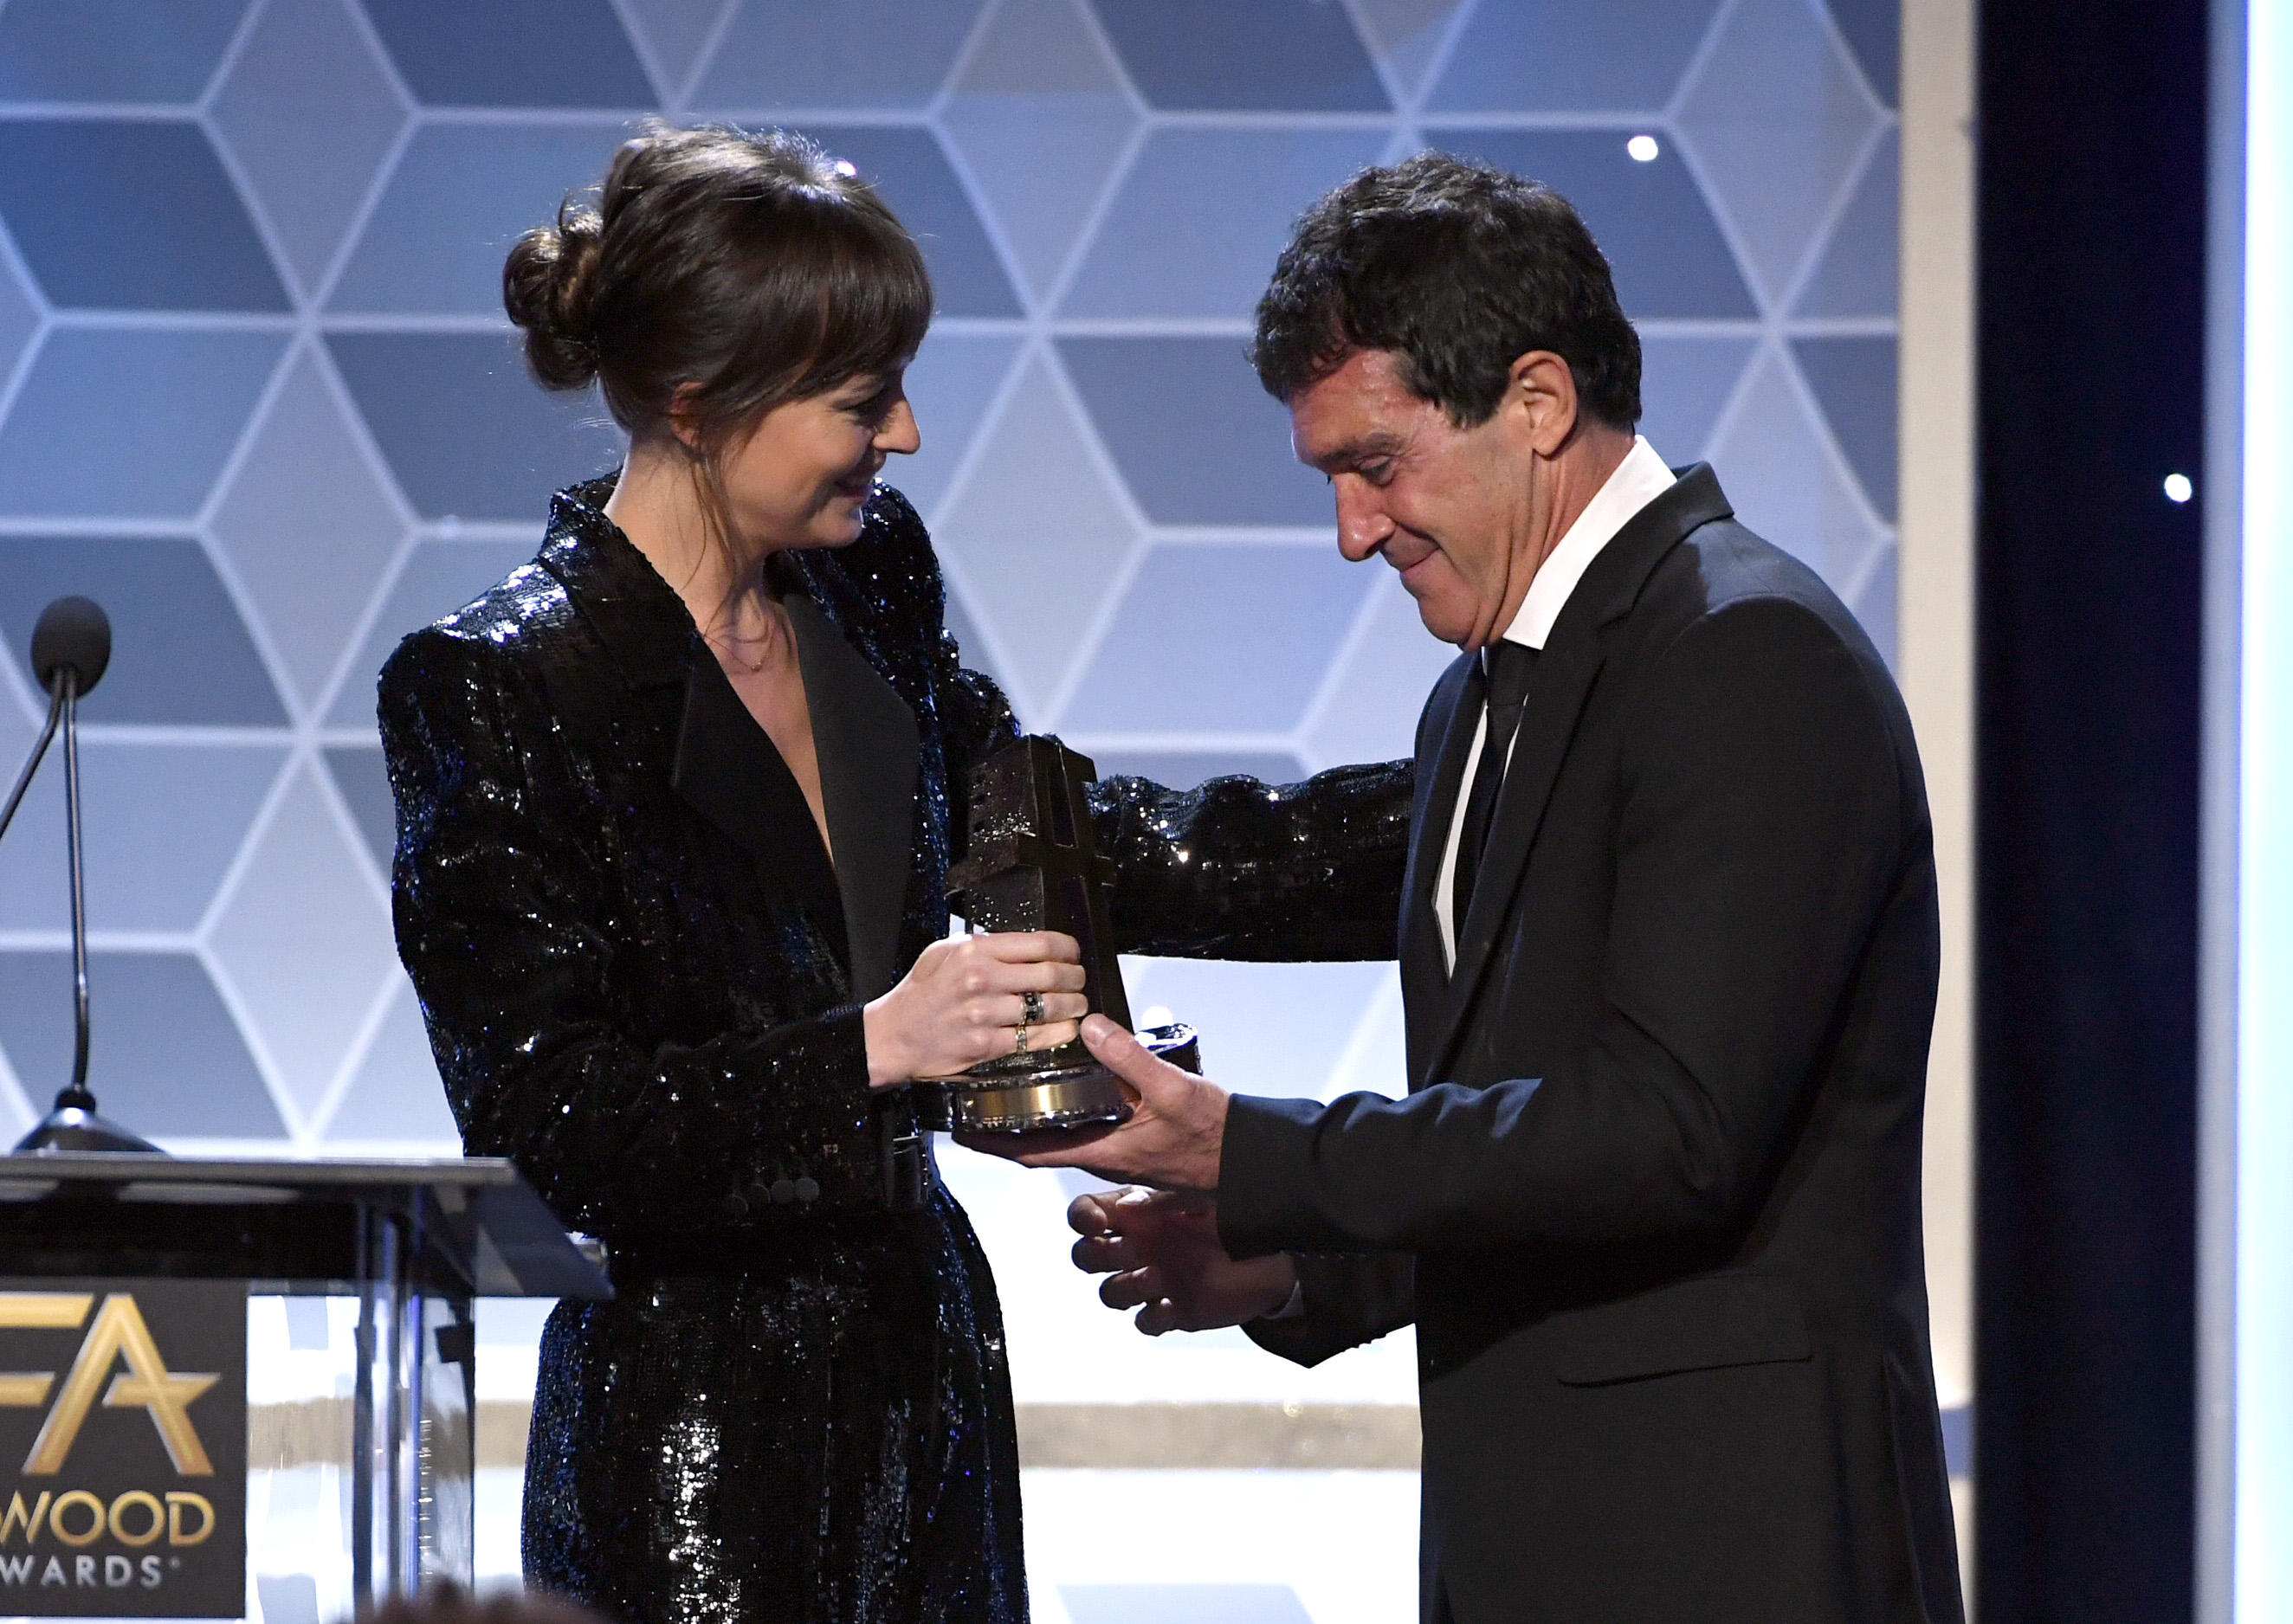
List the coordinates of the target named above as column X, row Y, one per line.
column 118, row 1332
column 123, row 1516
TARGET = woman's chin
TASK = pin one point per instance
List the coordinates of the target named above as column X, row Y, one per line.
column 841, row 522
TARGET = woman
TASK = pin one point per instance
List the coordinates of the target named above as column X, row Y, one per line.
column 675, row 814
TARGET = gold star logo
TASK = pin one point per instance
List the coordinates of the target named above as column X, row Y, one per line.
column 119, row 1332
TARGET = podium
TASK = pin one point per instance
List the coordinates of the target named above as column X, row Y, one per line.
column 411, row 1243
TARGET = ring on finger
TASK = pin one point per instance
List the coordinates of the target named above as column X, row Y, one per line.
column 1019, row 1039
column 1031, row 1004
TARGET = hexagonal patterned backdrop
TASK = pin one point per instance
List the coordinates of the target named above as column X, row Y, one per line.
column 257, row 396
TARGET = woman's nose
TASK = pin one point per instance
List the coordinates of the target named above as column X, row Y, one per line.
column 900, row 432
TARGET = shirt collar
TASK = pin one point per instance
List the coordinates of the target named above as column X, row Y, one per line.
column 1637, row 481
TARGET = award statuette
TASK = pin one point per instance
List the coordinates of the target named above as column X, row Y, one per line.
column 1031, row 866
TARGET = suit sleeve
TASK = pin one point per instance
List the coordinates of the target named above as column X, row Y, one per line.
column 974, row 715
column 1761, row 823
column 499, row 890
column 1345, row 1299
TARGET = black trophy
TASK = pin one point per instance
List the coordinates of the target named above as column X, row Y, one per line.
column 1031, row 866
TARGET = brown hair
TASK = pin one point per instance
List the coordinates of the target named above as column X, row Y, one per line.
column 755, row 268
column 1459, row 269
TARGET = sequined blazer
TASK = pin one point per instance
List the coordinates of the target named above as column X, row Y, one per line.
column 643, row 981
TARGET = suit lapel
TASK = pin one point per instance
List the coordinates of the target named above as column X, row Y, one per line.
column 1557, row 692
column 641, row 621
column 1563, row 681
column 1449, row 721
column 727, row 769
column 866, row 737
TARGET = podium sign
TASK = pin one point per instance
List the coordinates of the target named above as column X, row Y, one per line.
column 376, row 1496
column 123, row 1448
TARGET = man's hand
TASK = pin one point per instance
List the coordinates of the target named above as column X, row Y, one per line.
column 1172, row 1140
column 1162, row 1254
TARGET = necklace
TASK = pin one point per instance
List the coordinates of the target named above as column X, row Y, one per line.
column 731, row 643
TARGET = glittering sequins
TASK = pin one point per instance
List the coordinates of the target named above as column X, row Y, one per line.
column 798, row 1407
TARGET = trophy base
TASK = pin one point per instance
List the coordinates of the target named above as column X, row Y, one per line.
column 1082, row 1094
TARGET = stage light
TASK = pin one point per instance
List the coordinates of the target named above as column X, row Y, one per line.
column 2178, row 488
column 1643, row 149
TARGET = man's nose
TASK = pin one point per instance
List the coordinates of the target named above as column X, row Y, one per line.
column 1362, row 524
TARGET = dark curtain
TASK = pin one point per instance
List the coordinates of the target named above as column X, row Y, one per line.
column 2092, row 192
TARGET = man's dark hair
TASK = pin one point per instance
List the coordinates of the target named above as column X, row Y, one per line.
column 1460, row 269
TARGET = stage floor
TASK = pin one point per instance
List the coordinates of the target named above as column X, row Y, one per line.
column 1148, row 1546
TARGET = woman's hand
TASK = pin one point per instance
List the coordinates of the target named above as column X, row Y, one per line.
column 965, row 1000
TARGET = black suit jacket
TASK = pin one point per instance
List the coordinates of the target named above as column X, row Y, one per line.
column 1653, row 1200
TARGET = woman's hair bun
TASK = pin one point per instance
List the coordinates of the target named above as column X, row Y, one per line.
column 549, row 289
column 750, row 268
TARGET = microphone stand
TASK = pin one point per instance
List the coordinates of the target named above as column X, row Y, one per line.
column 40, row 753
column 76, row 1096
column 73, row 1125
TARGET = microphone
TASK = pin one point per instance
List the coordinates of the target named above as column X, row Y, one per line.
column 72, row 632
column 71, row 646
column 72, row 635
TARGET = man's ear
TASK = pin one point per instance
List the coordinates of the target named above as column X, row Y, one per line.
column 1541, row 399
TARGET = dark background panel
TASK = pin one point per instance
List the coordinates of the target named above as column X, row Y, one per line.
column 1243, row 55
column 131, row 215
column 2091, row 197
column 512, row 53
column 1651, row 219
column 180, row 654
column 1197, row 441
column 163, row 1050
column 463, row 427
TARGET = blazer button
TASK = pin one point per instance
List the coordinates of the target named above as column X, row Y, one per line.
column 783, row 1191
column 735, row 1207
column 807, row 1190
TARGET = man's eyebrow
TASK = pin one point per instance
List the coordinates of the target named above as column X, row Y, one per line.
column 1353, row 452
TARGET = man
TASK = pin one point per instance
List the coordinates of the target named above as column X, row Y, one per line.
column 1668, row 950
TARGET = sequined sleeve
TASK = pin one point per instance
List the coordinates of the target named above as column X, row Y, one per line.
column 1233, row 868
column 974, row 716
column 498, row 893
column 978, row 723
column 1236, row 868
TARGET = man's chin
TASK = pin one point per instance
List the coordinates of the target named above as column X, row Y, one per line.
column 1440, row 621
column 1444, row 612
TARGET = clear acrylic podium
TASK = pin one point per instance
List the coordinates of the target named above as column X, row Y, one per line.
column 411, row 1243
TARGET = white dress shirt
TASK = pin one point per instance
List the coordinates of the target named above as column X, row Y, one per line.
column 1638, row 480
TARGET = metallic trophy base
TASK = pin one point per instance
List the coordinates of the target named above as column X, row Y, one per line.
column 1080, row 1094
